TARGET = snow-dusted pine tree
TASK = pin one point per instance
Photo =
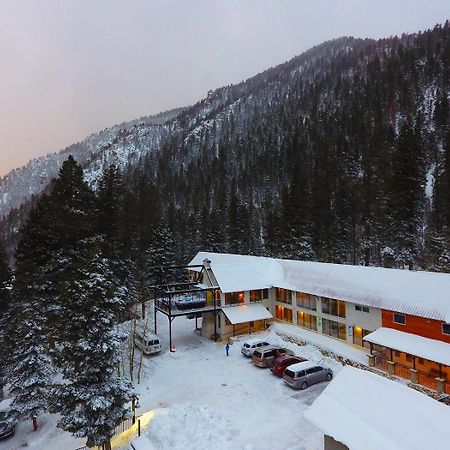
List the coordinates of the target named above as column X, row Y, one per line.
column 5, row 305
column 93, row 399
column 31, row 371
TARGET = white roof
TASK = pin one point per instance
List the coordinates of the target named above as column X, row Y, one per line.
column 246, row 313
column 304, row 365
column 431, row 349
column 425, row 294
column 366, row 411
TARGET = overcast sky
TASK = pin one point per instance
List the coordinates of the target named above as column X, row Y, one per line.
column 73, row 67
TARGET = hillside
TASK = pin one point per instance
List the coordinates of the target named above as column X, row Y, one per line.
column 340, row 154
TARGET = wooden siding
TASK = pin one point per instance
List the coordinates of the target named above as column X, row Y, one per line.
column 421, row 326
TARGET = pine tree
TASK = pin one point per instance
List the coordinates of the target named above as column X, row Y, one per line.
column 407, row 196
column 5, row 312
column 93, row 399
column 160, row 253
column 30, row 369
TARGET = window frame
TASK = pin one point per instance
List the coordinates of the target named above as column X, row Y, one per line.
column 399, row 315
column 445, row 325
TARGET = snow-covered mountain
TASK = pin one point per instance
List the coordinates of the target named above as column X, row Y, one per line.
column 340, row 154
column 122, row 144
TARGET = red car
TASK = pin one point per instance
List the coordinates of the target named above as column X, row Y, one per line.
column 279, row 364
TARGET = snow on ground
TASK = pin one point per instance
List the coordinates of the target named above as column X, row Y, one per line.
column 48, row 437
column 201, row 399
column 325, row 342
column 211, row 401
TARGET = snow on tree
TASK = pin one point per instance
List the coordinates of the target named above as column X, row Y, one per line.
column 93, row 398
column 5, row 311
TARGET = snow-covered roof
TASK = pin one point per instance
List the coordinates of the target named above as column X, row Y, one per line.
column 246, row 313
column 433, row 350
column 304, row 365
column 425, row 294
column 364, row 410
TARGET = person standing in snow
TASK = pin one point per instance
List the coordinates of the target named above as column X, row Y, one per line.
column 227, row 348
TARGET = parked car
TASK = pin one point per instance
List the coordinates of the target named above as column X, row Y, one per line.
column 279, row 364
column 264, row 356
column 7, row 429
column 304, row 374
column 148, row 343
column 249, row 346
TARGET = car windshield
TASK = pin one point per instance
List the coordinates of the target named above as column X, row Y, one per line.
column 246, row 346
column 289, row 373
column 3, row 416
column 258, row 354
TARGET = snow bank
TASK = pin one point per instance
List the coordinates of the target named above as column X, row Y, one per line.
column 366, row 411
column 187, row 426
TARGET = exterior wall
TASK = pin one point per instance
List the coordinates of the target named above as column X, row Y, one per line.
column 331, row 444
column 370, row 321
column 421, row 326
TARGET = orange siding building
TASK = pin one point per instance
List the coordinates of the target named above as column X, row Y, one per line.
column 421, row 326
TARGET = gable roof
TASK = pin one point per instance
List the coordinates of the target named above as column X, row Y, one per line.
column 425, row 294
column 395, row 416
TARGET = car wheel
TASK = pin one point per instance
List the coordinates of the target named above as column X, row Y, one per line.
column 304, row 385
column 329, row 377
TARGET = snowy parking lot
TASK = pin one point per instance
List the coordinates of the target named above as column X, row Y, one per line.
column 203, row 399
column 211, row 401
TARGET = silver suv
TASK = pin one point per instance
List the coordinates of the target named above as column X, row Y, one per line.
column 248, row 347
column 304, row 374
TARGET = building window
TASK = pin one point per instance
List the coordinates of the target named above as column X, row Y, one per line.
column 306, row 320
column 446, row 328
column 362, row 308
column 283, row 313
column 234, row 298
column 219, row 320
column 306, row 301
column 256, row 296
column 400, row 319
column 265, row 294
column 333, row 307
column 334, row 329
column 284, row 296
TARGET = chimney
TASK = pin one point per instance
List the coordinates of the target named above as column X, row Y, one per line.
column 207, row 263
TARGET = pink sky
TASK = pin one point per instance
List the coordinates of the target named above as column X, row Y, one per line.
column 70, row 68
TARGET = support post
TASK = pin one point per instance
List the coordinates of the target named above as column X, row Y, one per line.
column 170, row 333
column 371, row 360
column 414, row 376
column 139, row 427
column 371, row 348
column 391, row 367
column 440, row 385
column 154, row 315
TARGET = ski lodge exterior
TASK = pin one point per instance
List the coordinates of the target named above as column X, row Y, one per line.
column 400, row 318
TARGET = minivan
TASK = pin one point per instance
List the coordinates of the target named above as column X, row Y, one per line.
column 248, row 347
column 149, row 344
column 304, row 374
column 264, row 356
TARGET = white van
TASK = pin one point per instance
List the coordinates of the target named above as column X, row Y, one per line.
column 150, row 345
